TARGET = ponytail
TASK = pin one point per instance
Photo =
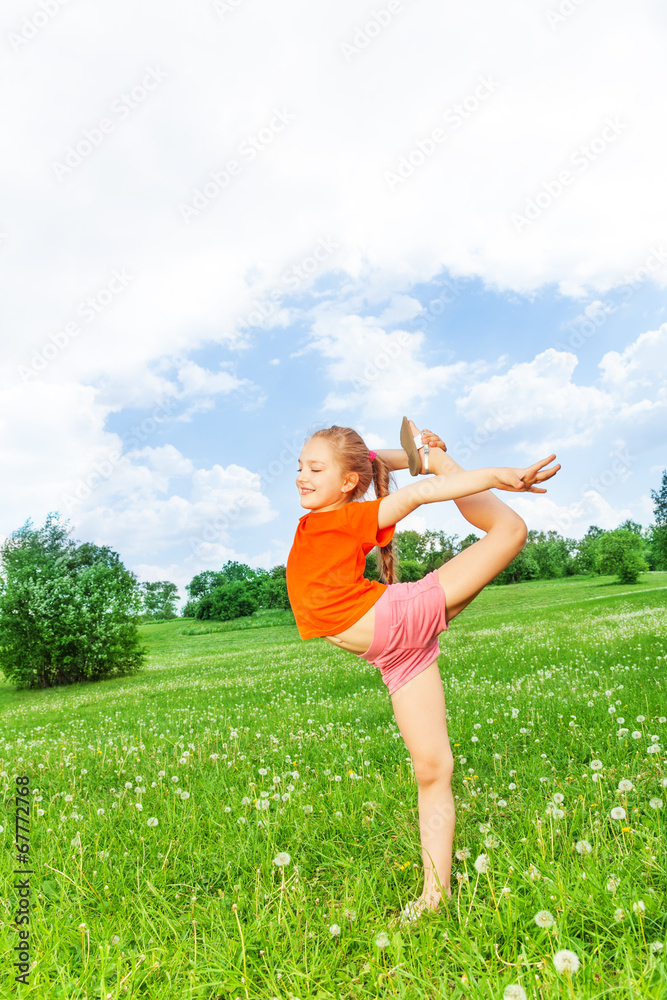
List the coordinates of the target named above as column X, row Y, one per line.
column 385, row 554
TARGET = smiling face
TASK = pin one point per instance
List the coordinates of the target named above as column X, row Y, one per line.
column 321, row 483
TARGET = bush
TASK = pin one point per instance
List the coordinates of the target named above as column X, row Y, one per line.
column 67, row 613
column 233, row 600
column 620, row 554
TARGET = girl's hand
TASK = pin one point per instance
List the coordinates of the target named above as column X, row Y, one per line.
column 523, row 480
column 432, row 440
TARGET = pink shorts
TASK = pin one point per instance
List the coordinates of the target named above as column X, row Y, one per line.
column 408, row 620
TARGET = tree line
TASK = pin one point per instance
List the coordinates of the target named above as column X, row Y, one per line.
column 70, row 611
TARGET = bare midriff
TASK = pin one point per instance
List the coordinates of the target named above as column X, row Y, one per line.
column 358, row 637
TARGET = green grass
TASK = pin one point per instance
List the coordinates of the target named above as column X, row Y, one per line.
column 530, row 672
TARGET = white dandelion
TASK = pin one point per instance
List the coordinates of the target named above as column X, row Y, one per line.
column 482, row 863
column 514, row 992
column 619, row 914
column 583, row 847
column 462, row 854
column 656, row 946
column 282, row 859
column 382, row 939
column 596, row 765
column 656, row 803
column 625, row 785
column 613, row 883
column 639, row 906
column 566, row 961
column 334, row 930
column 618, row 812
column 543, row 918
column 152, row 821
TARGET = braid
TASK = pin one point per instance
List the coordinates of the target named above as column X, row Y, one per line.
column 387, row 558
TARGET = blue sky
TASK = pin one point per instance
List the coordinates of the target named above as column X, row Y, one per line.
column 230, row 224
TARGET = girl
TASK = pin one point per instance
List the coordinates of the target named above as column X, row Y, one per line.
column 396, row 625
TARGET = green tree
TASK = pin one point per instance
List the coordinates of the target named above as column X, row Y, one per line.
column 440, row 548
column 274, row 593
column 586, row 553
column 632, row 526
column 371, row 571
column 659, row 530
column 160, row 599
column 409, row 545
column 68, row 612
column 233, row 600
column 522, row 567
column 468, row 541
column 620, row 555
column 410, row 570
column 203, row 583
column 233, row 572
column 551, row 552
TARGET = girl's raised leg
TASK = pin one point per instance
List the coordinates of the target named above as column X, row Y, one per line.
column 464, row 576
column 419, row 707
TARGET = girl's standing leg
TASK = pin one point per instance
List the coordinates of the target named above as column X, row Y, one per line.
column 419, row 707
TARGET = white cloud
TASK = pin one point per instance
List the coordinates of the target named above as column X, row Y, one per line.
column 50, row 437
column 322, row 172
column 640, row 368
column 112, row 231
column 56, row 455
column 137, row 511
column 570, row 520
column 387, row 371
column 540, row 395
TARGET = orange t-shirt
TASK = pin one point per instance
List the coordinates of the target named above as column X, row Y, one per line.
column 327, row 589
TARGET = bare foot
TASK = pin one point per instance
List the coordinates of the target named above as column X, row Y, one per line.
column 437, row 448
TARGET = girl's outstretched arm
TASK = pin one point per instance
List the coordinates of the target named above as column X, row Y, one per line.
column 454, row 485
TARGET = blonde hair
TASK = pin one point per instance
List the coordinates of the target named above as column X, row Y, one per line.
column 352, row 455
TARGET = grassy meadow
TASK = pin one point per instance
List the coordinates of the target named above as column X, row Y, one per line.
column 164, row 804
